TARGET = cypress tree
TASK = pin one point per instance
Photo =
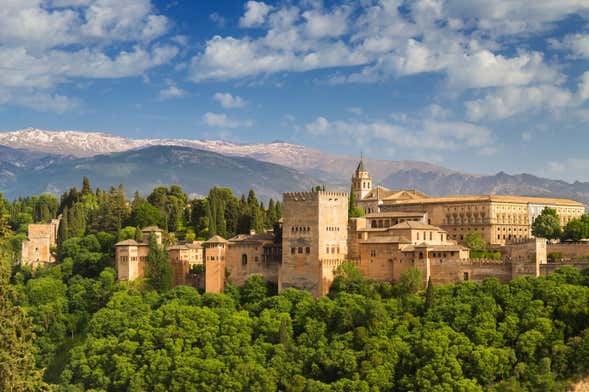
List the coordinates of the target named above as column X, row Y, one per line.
column 429, row 294
column 159, row 269
column 63, row 231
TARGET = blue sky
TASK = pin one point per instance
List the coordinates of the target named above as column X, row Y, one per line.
column 474, row 85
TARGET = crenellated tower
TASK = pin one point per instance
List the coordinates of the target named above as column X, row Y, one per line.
column 314, row 239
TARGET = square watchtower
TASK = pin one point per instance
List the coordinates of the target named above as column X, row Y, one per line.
column 314, row 239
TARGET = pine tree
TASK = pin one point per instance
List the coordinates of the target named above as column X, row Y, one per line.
column 86, row 188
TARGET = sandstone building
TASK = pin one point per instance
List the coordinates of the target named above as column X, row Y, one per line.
column 314, row 239
column 401, row 230
column 500, row 219
column 36, row 249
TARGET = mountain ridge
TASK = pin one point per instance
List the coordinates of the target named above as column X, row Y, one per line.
column 39, row 151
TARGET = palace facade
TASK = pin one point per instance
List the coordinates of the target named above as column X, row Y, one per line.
column 500, row 219
column 400, row 230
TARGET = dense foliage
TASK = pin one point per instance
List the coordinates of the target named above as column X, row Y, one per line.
column 90, row 333
column 530, row 334
column 547, row 225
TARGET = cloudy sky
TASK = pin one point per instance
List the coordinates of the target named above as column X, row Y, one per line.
column 476, row 85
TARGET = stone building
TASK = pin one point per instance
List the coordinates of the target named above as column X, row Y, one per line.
column 253, row 254
column 215, row 251
column 314, row 239
column 131, row 255
column 36, row 249
column 500, row 219
column 183, row 257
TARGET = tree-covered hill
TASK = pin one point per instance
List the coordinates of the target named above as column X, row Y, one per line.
column 95, row 335
column 71, row 327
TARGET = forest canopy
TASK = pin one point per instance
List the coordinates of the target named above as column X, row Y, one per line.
column 72, row 327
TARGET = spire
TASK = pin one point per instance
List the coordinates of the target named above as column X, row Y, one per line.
column 360, row 167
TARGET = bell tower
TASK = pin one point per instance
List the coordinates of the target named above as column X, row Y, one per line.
column 361, row 181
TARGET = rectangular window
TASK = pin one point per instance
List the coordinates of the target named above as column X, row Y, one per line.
column 307, row 250
column 465, row 276
column 292, row 251
column 300, row 249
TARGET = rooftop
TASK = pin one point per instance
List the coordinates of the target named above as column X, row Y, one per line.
column 414, row 225
column 152, row 229
column 394, row 214
column 215, row 240
column 490, row 198
column 130, row 243
column 392, row 239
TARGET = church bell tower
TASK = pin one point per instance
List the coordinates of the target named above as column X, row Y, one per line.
column 361, row 181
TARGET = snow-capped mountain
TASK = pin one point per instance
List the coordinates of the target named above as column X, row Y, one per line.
column 86, row 144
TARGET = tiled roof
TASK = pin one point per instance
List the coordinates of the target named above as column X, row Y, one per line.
column 130, row 243
column 496, row 198
column 414, row 225
column 216, row 239
column 152, row 229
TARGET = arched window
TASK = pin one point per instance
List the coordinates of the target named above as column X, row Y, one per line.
column 243, row 259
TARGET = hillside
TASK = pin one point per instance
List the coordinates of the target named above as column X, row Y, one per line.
column 142, row 170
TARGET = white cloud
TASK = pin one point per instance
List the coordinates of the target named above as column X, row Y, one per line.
column 255, row 14
column 221, row 120
column 45, row 43
column 319, row 24
column 583, row 87
column 510, row 101
column 386, row 43
column 229, row 101
column 171, row 92
column 426, row 134
column 485, row 69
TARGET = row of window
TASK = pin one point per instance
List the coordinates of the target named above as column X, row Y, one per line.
column 300, row 229
column 332, row 228
column 244, row 259
column 215, row 258
column 300, row 250
column 334, row 249
column 125, row 259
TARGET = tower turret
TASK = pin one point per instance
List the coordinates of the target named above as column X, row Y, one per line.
column 361, row 181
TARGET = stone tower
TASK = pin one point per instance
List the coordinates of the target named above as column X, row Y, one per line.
column 215, row 251
column 361, row 181
column 314, row 239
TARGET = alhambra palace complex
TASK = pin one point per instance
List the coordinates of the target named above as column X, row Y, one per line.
column 400, row 230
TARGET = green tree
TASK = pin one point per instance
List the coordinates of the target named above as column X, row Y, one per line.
column 547, row 225
column 410, row 282
column 159, row 269
column 429, row 294
column 17, row 363
column 576, row 230
column 474, row 240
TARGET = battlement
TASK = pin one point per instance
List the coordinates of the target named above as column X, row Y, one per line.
column 304, row 196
